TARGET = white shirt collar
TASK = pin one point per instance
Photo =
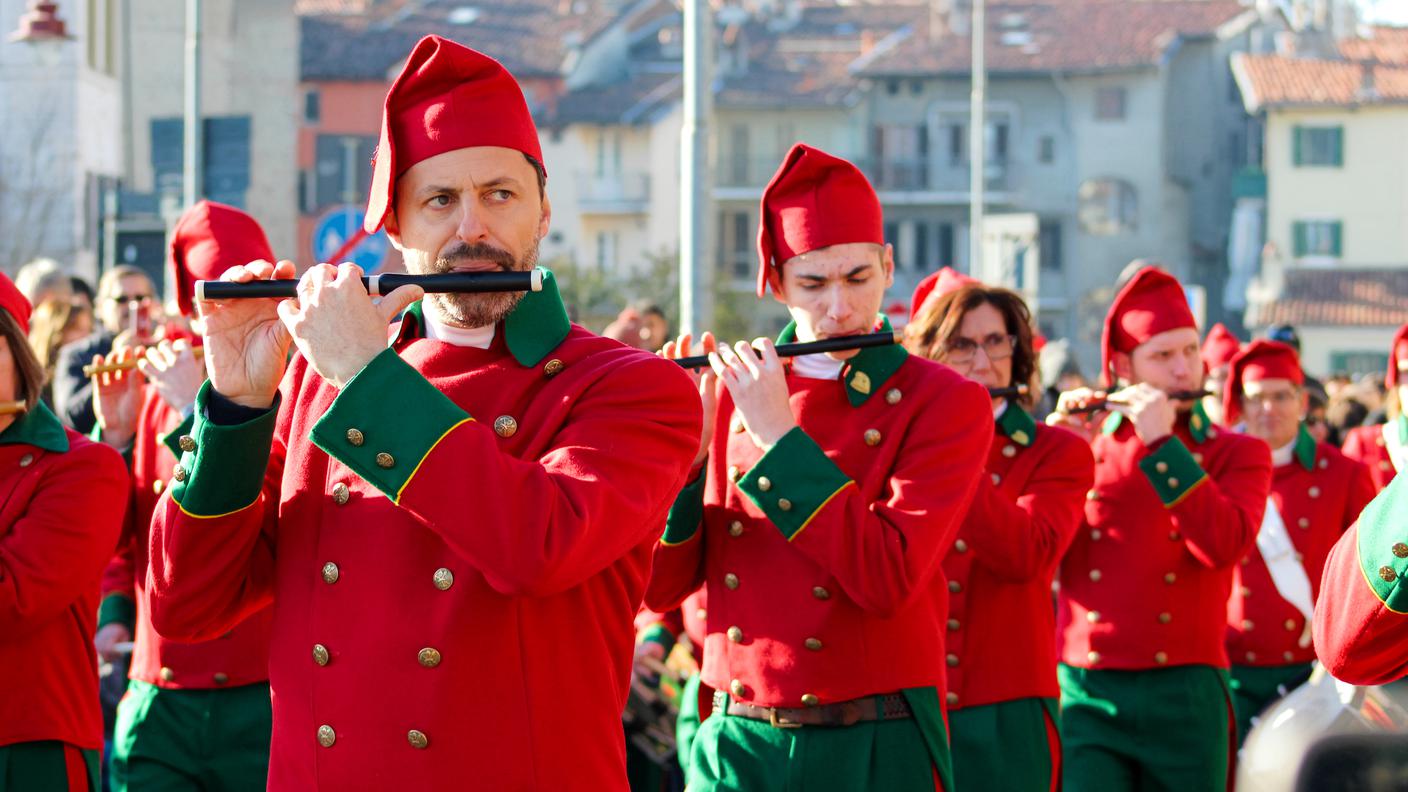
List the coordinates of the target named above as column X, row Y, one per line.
column 817, row 366
column 479, row 337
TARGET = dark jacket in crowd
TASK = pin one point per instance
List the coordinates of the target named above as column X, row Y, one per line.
column 73, row 392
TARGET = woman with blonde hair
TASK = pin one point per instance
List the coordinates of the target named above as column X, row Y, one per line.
column 55, row 323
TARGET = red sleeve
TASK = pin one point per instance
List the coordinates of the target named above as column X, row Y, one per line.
column 1361, row 493
column 1219, row 519
column 1358, row 638
column 677, row 568
column 1354, row 446
column 1019, row 540
column 57, row 548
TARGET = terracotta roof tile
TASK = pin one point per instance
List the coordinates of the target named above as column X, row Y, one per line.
column 1340, row 297
column 1383, row 45
column 1273, row 80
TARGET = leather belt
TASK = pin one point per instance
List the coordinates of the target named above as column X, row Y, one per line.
column 890, row 706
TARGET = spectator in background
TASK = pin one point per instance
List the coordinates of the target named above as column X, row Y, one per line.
column 1287, row 335
column 127, row 302
column 43, row 279
column 640, row 325
column 1344, row 414
column 55, row 324
column 82, row 292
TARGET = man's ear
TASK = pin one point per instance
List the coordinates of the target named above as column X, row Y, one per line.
column 775, row 282
column 393, row 231
column 887, row 264
column 545, row 221
column 1124, row 366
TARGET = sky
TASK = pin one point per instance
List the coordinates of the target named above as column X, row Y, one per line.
column 1392, row 12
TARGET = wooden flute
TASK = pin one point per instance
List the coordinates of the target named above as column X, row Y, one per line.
column 1008, row 392
column 12, row 407
column 377, row 285
column 1102, row 402
column 835, row 344
column 92, row 370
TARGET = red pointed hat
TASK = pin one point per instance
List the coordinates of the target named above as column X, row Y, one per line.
column 1397, row 357
column 208, row 239
column 1261, row 360
column 814, row 201
column 1152, row 302
column 13, row 302
column 1220, row 347
column 447, row 97
column 935, row 286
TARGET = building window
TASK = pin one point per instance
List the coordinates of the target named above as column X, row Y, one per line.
column 224, row 167
column 920, row 258
column 957, row 144
column 1357, row 362
column 901, row 156
column 606, row 250
column 1046, row 150
column 891, row 232
column 1110, row 103
column 738, row 160
column 738, row 253
column 1050, row 241
column 1321, row 238
column 946, row 247
column 1319, row 146
column 1107, row 207
column 313, row 106
column 342, row 169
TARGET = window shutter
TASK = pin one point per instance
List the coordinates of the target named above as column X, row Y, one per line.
column 1337, row 155
column 1336, row 237
column 1300, row 243
column 1297, row 142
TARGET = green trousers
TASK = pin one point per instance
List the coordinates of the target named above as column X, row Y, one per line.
column 907, row 755
column 687, row 722
column 42, row 767
column 1254, row 688
column 1011, row 746
column 1157, row 729
column 214, row 740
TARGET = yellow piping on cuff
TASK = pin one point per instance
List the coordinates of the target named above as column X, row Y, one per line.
column 1187, row 492
column 691, row 538
column 426, row 455
column 214, row 516
column 1359, row 561
column 818, row 509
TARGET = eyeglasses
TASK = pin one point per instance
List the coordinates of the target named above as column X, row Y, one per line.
column 140, row 299
column 1278, row 398
column 963, row 350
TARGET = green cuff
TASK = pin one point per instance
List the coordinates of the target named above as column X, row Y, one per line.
column 172, row 439
column 224, row 470
column 687, row 513
column 117, row 609
column 656, row 633
column 1382, row 537
column 1173, row 471
column 385, row 422
column 793, row 481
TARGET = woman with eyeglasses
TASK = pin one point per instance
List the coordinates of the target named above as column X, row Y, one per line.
column 1002, row 690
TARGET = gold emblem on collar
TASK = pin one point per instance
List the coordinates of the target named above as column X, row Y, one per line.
column 860, row 382
column 1021, row 437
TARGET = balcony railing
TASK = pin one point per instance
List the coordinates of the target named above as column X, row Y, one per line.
column 918, row 175
column 614, row 193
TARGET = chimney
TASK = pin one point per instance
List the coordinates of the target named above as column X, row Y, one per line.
column 1368, row 91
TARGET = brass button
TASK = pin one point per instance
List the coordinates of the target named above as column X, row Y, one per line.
column 731, row 581
column 813, row 644
column 1324, row 463
column 1401, row 550
column 443, row 578
column 1174, row 536
column 1388, row 574
column 737, row 688
column 1092, row 496
column 186, row 443
column 552, row 368
column 1172, row 482
column 737, row 426
column 1246, row 592
column 1251, row 657
column 996, row 479
column 178, row 473
column 1313, row 492
column 1197, row 457
column 417, row 739
column 1247, row 624
column 330, row 573
column 1165, row 617
column 1021, row 437
column 735, row 528
column 1290, row 624
column 158, row 486
column 952, row 660
column 221, row 678
column 326, row 736
column 1384, row 464
column 954, row 586
column 1170, row 578
column 951, row 699
column 872, row 437
column 764, row 483
column 734, row 474
column 961, row 546
column 505, row 426
column 428, row 657
column 1092, row 616
column 784, row 504
column 893, row 396
column 1160, row 657
column 820, row 593
column 26, row 460
column 167, row 674
column 1095, row 534
column 1162, row 467
column 1095, row 576
column 355, row 437
column 341, row 494
column 385, row 460
column 320, row 654
column 810, row 700
column 701, row 614
column 1303, row 522
column 954, row 624
column 1009, row 451
column 1093, row 657
column 735, row 634
column 1288, row 656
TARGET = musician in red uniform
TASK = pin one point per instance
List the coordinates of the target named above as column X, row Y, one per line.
column 1384, row 448
column 824, row 496
column 437, row 508
column 64, row 502
column 1142, row 608
column 1316, row 495
column 1003, row 704
column 195, row 714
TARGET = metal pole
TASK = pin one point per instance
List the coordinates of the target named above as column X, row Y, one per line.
column 192, row 189
column 696, row 268
column 977, row 144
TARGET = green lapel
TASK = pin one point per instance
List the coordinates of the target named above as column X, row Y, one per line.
column 38, row 427
column 1017, row 424
column 1305, row 448
column 865, row 373
column 535, row 327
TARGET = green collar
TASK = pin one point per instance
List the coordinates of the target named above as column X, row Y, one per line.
column 1017, row 424
column 1198, row 423
column 38, row 427
column 535, row 327
column 1305, row 448
column 865, row 373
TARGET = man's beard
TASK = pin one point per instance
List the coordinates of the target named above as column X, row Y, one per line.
column 478, row 310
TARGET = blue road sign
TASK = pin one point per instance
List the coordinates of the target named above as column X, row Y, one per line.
column 336, row 227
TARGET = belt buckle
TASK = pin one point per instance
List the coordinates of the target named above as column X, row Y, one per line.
column 781, row 723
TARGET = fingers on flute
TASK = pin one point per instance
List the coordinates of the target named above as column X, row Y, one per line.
column 747, row 356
